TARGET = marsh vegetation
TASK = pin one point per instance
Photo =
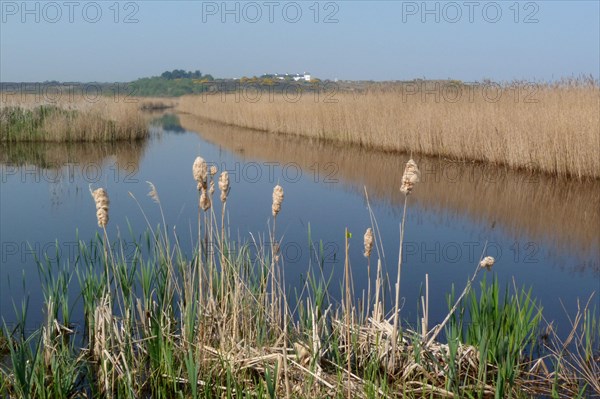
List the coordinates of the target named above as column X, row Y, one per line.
column 220, row 323
column 72, row 119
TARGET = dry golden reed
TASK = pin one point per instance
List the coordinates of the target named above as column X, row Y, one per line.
column 550, row 127
column 368, row 239
column 224, row 185
column 277, row 199
column 102, row 204
column 410, row 177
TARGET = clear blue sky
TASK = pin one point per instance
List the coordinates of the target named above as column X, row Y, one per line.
column 376, row 40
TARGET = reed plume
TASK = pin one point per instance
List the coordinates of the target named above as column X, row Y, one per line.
column 224, row 185
column 410, row 177
column 212, row 171
column 277, row 199
column 487, row 262
column 200, row 171
column 368, row 242
column 153, row 193
column 204, row 200
column 102, row 204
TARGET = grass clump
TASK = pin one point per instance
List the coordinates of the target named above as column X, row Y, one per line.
column 219, row 323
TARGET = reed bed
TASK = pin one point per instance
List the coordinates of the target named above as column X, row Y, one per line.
column 220, row 323
column 74, row 119
column 552, row 128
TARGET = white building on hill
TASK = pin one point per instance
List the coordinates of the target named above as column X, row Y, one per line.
column 297, row 77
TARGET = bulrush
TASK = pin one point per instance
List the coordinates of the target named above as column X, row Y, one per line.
column 368, row 242
column 212, row 171
column 410, row 177
column 200, row 171
column 487, row 262
column 204, row 200
column 277, row 199
column 153, row 193
column 224, row 185
column 102, row 204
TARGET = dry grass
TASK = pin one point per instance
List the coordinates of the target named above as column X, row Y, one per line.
column 549, row 128
column 71, row 119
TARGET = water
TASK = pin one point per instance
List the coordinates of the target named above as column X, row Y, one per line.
column 543, row 232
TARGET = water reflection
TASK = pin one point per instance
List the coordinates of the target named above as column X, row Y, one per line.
column 64, row 166
column 53, row 156
column 563, row 213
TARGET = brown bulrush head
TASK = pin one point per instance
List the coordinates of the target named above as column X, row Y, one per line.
column 224, row 185
column 102, row 204
column 204, row 200
column 368, row 242
column 487, row 262
column 277, row 199
column 211, row 188
column 213, row 170
column 200, row 171
column 410, row 177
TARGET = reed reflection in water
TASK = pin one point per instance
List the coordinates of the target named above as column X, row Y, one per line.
column 565, row 213
column 61, row 163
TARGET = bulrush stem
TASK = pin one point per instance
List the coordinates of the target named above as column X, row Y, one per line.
column 285, row 358
column 377, row 307
column 273, row 254
column 425, row 305
column 410, row 177
column 209, row 256
column 397, row 299
column 368, row 242
column 348, row 309
column 369, row 287
column 224, row 274
column 199, row 259
column 224, row 188
column 200, row 173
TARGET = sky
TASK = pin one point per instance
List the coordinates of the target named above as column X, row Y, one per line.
column 109, row 41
